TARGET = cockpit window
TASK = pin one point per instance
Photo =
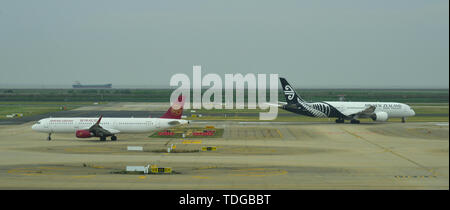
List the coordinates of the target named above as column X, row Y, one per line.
column 39, row 122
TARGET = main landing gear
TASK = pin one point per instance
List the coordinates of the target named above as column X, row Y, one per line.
column 403, row 119
column 49, row 136
column 103, row 138
column 340, row 121
column 353, row 121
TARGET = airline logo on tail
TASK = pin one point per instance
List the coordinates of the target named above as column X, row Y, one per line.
column 289, row 92
column 176, row 110
column 291, row 96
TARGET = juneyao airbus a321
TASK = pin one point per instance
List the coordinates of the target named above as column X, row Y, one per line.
column 103, row 127
column 377, row 111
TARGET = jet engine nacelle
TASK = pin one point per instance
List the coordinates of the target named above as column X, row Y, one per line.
column 84, row 134
column 380, row 116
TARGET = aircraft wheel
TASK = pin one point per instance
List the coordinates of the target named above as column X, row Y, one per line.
column 355, row 121
column 113, row 138
column 339, row 120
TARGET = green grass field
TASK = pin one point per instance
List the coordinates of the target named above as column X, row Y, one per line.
column 163, row 95
column 300, row 118
column 38, row 101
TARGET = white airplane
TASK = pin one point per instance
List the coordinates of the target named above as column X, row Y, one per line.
column 377, row 111
column 104, row 127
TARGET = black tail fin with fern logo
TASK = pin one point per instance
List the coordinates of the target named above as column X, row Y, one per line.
column 289, row 92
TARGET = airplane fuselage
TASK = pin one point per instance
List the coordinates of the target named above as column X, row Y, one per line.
column 122, row 125
column 340, row 109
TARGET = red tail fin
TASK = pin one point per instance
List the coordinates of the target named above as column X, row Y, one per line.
column 176, row 110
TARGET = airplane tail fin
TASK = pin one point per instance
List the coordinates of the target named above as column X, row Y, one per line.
column 176, row 110
column 291, row 96
column 99, row 119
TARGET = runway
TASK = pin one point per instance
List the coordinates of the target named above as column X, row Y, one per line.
column 248, row 156
column 136, row 113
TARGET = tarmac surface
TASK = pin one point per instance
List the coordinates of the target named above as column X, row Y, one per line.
column 249, row 155
column 136, row 113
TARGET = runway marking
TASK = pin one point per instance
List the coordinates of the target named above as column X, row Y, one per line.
column 430, row 170
column 202, row 177
column 442, row 124
column 259, row 172
column 50, row 168
column 192, row 141
column 415, row 177
column 142, row 177
column 88, row 149
column 253, row 172
column 291, row 133
column 86, row 176
column 251, row 150
column 206, row 167
column 31, row 172
column 21, row 170
column 279, row 133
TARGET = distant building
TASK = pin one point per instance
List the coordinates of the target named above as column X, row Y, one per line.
column 341, row 97
column 79, row 85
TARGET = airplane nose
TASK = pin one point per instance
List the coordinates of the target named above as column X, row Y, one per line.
column 413, row 113
column 33, row 127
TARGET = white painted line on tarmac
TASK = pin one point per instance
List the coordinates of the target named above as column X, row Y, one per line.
column 442, row 124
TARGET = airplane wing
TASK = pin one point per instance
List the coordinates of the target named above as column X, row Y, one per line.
column 102, row 129
column 99, row 130
column 110, row 130
column 365, row 112
column 280, row 104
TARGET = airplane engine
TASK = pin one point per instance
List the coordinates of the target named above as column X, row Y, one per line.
column 84, row 134
column 380, row 116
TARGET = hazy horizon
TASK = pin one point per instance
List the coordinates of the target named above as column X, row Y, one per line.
column 65, row 86
column 316, row 44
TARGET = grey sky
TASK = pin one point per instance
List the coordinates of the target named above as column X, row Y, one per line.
column 314, row 43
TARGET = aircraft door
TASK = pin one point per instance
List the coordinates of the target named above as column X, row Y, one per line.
column 77, row 125
column 48, row 125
